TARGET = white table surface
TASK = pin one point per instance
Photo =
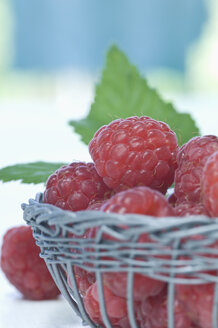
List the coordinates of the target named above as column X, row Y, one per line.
column 37, row 130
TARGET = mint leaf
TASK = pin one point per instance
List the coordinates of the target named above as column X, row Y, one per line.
column 121, row 93
column 37, row 172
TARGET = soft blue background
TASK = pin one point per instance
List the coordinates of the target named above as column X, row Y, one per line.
column 58, row 34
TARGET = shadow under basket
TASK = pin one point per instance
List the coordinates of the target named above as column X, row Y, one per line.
column 164, row 249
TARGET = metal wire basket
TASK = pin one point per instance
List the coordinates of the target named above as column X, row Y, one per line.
column 59, row 235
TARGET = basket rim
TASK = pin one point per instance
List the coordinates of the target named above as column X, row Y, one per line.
column 37, row 213
column 53, row 229
column 38, row 202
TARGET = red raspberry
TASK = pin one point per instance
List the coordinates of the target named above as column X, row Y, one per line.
column 197, row 301
column 96, row 206
column 135, row 151
column 140, row 200
column 190, row 208
column 210, row 185
column 143, row 286
column 24, row 268
column 116, row 307
column 152, row 313
column 191, row 159
column 75, row 186
column 84, row 279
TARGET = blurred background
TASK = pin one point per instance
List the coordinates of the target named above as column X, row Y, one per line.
column 51, row 56
column 45, row 40
column 52, row 53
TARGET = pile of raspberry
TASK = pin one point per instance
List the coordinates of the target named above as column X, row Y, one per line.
column 135, row 163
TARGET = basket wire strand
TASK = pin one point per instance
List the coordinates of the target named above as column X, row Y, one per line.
column 52, row 226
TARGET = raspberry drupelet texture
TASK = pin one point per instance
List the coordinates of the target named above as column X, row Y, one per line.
column 143, row 286
column 75, row 186
column 197, row 301
column 139, row 200
column 24, row 268
column 153, row 313
column 135, row 151
column 84, row 279
column 210, row 185
column 116, row 307
column 96, row 206
column 190, row 208
column 191, row 159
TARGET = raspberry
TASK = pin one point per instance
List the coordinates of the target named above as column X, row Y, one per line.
column 210, row 185
column 197, row 301
column 191, row 159
column 96, row 206
column 84, row 279
column 24, row 268
column 75, row 186
column 190, row 208
column 135, row 151
column 152, row 313
column 143, row 286
column 116, row 307
column 140, row 200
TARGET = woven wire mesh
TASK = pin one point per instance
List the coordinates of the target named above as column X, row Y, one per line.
column 173, row 256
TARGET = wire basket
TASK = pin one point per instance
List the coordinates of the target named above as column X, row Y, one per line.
column 115, row 248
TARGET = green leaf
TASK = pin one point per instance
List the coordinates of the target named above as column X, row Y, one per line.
column 123, row 92
column 37, row 172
